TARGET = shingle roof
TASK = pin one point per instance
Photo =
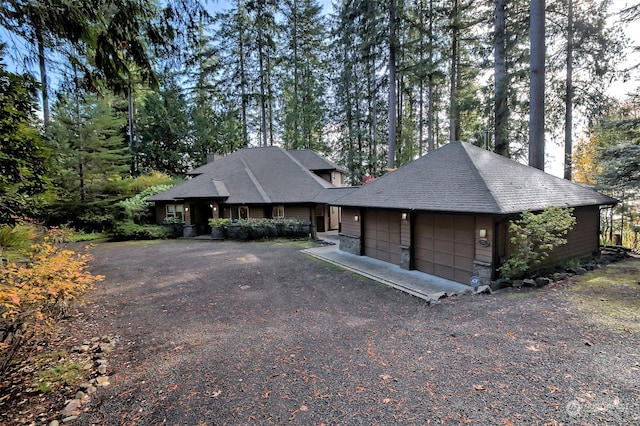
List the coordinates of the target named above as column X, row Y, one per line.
column 202, row 188
column 313, row 161
column 460, row 177
column 263, row 175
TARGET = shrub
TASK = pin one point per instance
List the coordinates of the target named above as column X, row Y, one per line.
column 132, row 231
column 34, row 293
column 17, row 237
column 256, row 229
column 137, row 209
column 533, row 236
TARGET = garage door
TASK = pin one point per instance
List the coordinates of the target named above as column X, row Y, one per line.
column 444, row 245
column 382, row 235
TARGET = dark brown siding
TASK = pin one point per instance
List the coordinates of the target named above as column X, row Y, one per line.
column 349, row 226
column 161, row 212
column 297, row 212
column 485, row 253
column 583, row 240
column 382, row 235
column 444, row 245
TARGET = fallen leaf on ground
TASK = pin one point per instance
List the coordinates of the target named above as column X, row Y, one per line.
column 479, row 388
column 533, row 348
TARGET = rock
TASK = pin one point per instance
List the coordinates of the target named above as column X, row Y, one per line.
column 69, row 419
column 483, row 289
column 80, row 395
column 529, row 282
column 518, row 283
column 559, row 276
column 577, row 271
column 102, row 369
column 106, row 347
column 102, row 381
column 72, row 408
column 504, row 283
column 54, row 423
column 541, row 281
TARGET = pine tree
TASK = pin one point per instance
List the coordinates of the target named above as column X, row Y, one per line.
column 303, row 70
column 87, row 132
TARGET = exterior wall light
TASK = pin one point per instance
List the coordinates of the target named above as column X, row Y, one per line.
column 482, row 233
column 356, row 218
column 404, row 216
column 186, row 209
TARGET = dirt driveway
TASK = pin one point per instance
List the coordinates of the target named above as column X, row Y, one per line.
column 258, row 333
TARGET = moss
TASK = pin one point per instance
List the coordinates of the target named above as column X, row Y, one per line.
column 611, row 296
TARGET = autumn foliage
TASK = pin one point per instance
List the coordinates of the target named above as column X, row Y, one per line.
column 36, row 291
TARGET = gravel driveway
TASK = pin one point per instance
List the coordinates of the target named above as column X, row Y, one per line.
column 258, row 333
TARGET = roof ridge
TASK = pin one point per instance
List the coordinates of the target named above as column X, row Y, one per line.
column 254, row 180
column 477, row 172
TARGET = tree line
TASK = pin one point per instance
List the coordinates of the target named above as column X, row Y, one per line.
column 132, row 87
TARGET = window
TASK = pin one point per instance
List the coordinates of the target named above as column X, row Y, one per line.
column 175, row 212
column 277, row 212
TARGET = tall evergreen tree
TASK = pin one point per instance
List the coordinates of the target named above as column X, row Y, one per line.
column 303, row 71
column 163, row 130
column 87, row 133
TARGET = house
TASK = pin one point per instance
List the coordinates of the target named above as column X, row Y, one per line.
column 446, row 213
column 265, row 182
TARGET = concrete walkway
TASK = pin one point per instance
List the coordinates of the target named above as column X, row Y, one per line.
column 419, row 284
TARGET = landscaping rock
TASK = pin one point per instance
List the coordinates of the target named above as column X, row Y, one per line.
column 542, row 281
column 72, row 408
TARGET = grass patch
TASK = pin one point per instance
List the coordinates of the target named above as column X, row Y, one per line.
column 302, row 243
column 57, row 370
column 611, row 296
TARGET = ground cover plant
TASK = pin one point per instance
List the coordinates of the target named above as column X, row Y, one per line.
column 36, row 287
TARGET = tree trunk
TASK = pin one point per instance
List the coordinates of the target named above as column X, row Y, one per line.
column 568, row 115
column 536, row 88
column 44, row 84
column 501, row 81
column 391, row 160
column 454, row 116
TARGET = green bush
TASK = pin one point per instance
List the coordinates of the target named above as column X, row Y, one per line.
column 128, row 230
column 137, row 209
column 17, row 237
column 533, row 236
column 258, row 229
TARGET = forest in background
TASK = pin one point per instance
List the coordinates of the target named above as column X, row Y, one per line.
column 108, row 100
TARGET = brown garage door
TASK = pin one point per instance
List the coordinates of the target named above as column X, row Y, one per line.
column 382, row 235
column 444, row 245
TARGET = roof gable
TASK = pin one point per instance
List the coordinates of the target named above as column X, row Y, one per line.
column 460, row 177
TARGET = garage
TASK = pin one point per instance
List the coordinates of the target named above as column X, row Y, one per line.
column 444, row 245
column 382, row 235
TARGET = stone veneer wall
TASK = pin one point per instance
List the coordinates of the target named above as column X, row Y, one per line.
column 350, row 244
column 405, row 257
column 483, row 271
